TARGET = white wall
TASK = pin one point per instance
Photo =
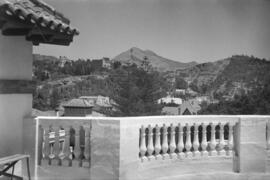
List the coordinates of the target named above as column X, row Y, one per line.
column 15, row 58
column 15, row 64
column 13, row 108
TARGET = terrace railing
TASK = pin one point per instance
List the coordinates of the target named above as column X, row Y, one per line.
column 151, row 147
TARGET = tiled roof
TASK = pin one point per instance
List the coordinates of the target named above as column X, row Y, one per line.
column 38, row 17
column 78, row 103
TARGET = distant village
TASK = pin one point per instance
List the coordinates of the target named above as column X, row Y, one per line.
column 176, row 102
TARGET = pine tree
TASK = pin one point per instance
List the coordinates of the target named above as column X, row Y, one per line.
column 136, row 91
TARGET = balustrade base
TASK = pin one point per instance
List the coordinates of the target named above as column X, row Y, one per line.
column 222, row 153
column 143, row 159
column 173, row 156
column 75, row 163
column 213, row 153
column 229, row 153
column 44, row 162
column 158, row 157
column 55, row 162
column 86, row 164
column 197, row 154
column 189, row 154
column 165, row 156
column 66, row 162
column 204, row 153
column 181, row 155
column 150, row 158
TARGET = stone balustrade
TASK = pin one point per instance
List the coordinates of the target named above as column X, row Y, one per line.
column 186, row 140
column 64, row 142
column 152, row 147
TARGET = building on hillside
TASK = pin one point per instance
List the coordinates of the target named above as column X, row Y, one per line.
column 180, row 92
column 170, row 100
column 63, row 60
column 99, row 102
column 101, row 63
column 191, row 92
column 201, row 99
column 78, row 107
column 190, row 107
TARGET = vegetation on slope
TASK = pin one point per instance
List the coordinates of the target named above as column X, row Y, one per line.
column 256, row 101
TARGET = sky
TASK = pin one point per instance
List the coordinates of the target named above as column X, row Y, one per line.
column 181, row 30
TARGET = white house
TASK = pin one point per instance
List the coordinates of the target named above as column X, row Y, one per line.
column 169, row 100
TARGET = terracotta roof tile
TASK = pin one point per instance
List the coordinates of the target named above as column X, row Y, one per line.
column 78, row 103
column 37, row 12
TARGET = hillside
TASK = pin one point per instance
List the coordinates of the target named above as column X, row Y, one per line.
column 231, row 76
column 223, row 78
column 136, row 55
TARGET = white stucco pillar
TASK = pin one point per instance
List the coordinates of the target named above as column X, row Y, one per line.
column 250, row 147
column 15, row 64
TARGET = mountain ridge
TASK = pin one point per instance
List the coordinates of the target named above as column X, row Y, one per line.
column 231, row 76
column 137, row 56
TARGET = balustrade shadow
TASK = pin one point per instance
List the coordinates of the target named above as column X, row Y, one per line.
column 63, row 149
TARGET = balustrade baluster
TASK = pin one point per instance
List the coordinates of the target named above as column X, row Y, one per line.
column 196, row 141
column 150, row 146
column 172, row 142
column 45, row 146
column 67, row 156
column 51, row 144
column 213, row 142
column 56, row 147
column 188, row 142
column 165, row 146
column 204, row 143
column 230, row 140
column 268, row 135
column 86, row 162
column 157, row 143
column 40, row 141
column 77, row 148
column 143, row 148
column 61, row 143
column 221, row 145
column 180, row 145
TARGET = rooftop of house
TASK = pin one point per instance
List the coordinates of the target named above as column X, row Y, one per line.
column 98, row 100
column 78, row 103
column 36, row 20
column 192, row 105
column 170, row 110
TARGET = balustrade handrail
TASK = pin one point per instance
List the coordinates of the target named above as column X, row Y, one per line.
column 147, row 117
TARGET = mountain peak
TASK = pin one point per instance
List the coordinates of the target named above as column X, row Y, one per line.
column 136, row 55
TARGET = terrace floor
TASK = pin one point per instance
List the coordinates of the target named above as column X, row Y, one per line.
column 220, row 176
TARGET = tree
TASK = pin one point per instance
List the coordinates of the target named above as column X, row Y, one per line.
column 180, row 83
column 54, row 99
column 136, row 90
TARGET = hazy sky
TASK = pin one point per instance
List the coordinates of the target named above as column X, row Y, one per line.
column 183, row 30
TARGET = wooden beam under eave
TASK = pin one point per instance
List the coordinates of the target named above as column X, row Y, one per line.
column 59, row 42
column 40, row 38
column 12, row 28
column 2, row 22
